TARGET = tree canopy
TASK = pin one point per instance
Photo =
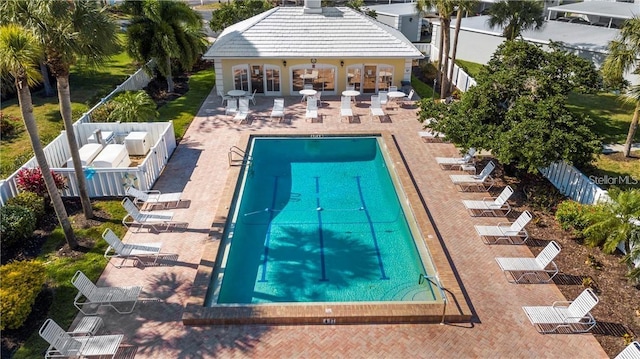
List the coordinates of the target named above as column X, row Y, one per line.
column 233, row 12
column 518, row 109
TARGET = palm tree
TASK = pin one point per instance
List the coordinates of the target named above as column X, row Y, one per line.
column 69, row 30
column 20, row 53
column 624, row 55
column 445, row 10
column 133, row 106
column 164, row 31
column 614, row 222
column 516, row 16
column 463, row 6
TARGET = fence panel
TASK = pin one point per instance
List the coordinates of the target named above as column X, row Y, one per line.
column 573, row 183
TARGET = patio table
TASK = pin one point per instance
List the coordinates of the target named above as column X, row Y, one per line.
column 236, row 93
column 306, row 93
column 351, row 94
column 394, row 96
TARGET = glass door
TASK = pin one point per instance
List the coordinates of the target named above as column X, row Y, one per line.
column 272, row 81
column 354, row 77
column 257, row 79
column 240, row 77
column 369, row 79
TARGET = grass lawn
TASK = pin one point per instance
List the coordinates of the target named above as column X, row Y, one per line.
column 60, row 270
column 87, row 85
column 471, row 68
column 182, row 110
column 423, row 90
column 619, row 171
column 612, row 116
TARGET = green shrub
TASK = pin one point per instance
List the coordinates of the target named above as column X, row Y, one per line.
column 571, row 215
column 21, row 284
column 31, row 201
column 16, row 224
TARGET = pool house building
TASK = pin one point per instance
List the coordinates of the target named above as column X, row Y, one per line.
column 285, row 49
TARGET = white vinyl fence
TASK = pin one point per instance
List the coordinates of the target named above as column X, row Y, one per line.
column 105, row 182
column 460, row 78
column 573, row 183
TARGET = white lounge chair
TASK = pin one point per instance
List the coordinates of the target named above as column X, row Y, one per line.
column 384, row 99
column 496, row 206
column 129, row 251
column 573, row 316
column 512, row 232
column 375, row 108
column 243, row 110
column 409, row 98
column 223, row 96
column 153, row 198
column 65, row 344
column 632, row 351
column 480, row 181
column 345, row 108
column 312, row 109
column 540, row 269
column 278, row 109
column 158, row 220
column 448, row 163
column 232, row 106
column 89, row 295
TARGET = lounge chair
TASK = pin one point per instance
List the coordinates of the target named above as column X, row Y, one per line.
column 243, row 110
column 89, row 295
column 384, row 99
column 632, row 351
column 65, row 344
column 375, row 108
column 232, row 106
column 573, row 316
column 278, row 109
column 448, row 163
column 512, row 232
column 496, row 206
column 480, row 181
column 153, row 198
column 540, row 269
column 158, row 220
column 408, row 99
column 129, row 251
column 345, row 108
column 312, row 109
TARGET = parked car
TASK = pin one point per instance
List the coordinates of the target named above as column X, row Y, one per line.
column 573, row 20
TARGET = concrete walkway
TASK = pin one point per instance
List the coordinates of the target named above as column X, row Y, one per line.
column 199, row 169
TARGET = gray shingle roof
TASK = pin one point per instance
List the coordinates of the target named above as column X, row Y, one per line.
column 286, row 32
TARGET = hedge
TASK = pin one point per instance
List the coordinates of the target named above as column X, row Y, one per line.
column 21, row 283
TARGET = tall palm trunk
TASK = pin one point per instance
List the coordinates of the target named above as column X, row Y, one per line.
column 632, row 131
column 170, row 85
column 446, row 29
column 48, row 89
column 64, row 96
column 455, row 47
column 440, row 75
column 26, row 107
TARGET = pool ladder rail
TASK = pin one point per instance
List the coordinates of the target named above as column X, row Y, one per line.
column 436, row 281
column 238, row 157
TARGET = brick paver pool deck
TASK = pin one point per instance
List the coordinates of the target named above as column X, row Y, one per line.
column 199, row 169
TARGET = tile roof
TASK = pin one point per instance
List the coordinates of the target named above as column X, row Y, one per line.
column 287, row 32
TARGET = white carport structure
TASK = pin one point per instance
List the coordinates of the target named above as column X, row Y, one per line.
column 605, row 13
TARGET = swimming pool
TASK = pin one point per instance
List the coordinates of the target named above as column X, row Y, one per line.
column 320, row 220
column 397, row 305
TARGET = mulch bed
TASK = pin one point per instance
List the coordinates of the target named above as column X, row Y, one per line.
column 618, row 311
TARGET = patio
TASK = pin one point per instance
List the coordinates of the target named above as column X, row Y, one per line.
column 199, row 168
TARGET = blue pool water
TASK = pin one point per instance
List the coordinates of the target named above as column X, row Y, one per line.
column 319, row 220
